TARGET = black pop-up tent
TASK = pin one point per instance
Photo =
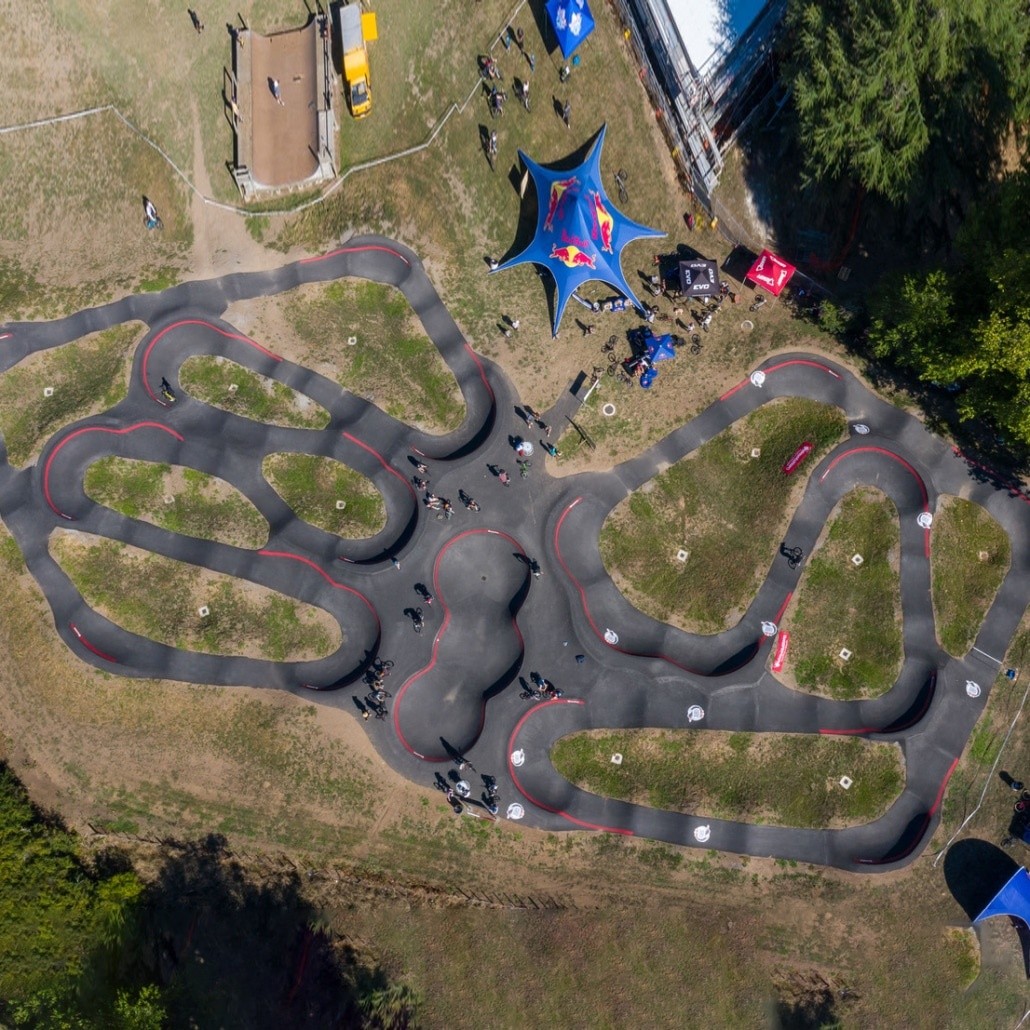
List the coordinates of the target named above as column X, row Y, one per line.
column 699, row 278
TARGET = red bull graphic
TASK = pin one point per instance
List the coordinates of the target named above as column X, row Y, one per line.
column 572, row 257
column 604, row 224
column 782, row 643
column 795, row 460
column 558, row 190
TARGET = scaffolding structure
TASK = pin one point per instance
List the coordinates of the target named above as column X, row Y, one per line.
column 696, row 107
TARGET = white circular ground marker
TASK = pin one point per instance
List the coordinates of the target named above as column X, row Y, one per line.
column 747, row 325
column 616, row 759
column 608, row 410
column 203, row 611
column 925, row 519
column 48, row 391
column 352, row 341
column 846, row 782
column 702, row 834
column 682, row 555
column 769, row 629
column 695, row 713
column 518, row 757
column 861, row 428
column 756, row 452
column 611, row 637
column 233, row 387
column 972, row 689
column 515, row 811
column 758, row 378
column 340, row 505
column 856, row 560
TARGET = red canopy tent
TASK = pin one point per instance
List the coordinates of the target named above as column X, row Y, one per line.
column 770, row 272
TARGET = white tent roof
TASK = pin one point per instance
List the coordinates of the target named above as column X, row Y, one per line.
column 709, row 28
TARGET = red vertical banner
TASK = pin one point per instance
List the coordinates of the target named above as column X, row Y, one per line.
column 780, row 654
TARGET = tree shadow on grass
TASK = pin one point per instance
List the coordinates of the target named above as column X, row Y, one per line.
column 231, row 951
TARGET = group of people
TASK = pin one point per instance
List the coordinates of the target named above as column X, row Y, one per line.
column 433, row 501
column 458, row 791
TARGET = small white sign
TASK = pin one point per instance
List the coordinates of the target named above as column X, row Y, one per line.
column 845, row 654
column 856, row 560
column 703, row 834
column 518, row 757
column 924, row 519
column 846, row 782
column 616, row 759
column 768, row 629
column 515, row 811
column 695, row 713
column 861, row 428
column 203, row 611
column 973, row 689
column 758, row 378
column 611, row 637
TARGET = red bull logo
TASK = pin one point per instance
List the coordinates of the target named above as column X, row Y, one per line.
column 604, row 224
column 558, row 190
column 572, row 257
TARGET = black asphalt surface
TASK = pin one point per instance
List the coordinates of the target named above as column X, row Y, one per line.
column 455, row 688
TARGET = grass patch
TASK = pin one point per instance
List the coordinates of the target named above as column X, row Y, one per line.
column 784, row 779
column 311, row 486
column 158, row 597
column 727, row 510
column 839, row 605
column 87, row 376
column 393, row 361
column 969, row 556
column 256, row 396
column 201, row 505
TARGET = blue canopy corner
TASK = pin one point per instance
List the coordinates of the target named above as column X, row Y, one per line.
column 1012, row 900
column 579, row 232
column 572, row 23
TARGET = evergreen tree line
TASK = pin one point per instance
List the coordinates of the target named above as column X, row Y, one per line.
column 925, row 104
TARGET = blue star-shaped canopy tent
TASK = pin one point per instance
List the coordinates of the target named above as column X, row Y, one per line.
column 572, row 23
column 579, row 232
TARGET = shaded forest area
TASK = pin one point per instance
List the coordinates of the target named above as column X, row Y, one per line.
column 92, row 943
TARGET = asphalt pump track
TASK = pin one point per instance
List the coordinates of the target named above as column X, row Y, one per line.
column 457, row 688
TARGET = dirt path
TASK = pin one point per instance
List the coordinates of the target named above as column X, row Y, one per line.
column 221, row 242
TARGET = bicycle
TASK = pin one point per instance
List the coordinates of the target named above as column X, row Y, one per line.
column 760, row 302
column 607, row 348
column 620, row 181
column 695, row 344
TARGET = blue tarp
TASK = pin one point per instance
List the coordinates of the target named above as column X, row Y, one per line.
column 579, row 233
column 1012, row 900
column 572, row 23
